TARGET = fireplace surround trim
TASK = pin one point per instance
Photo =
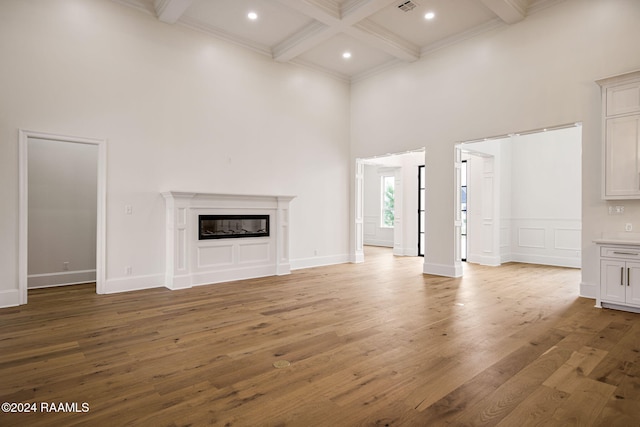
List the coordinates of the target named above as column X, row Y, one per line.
column 190, row 261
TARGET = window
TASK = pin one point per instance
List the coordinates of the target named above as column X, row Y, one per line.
column 387, row 201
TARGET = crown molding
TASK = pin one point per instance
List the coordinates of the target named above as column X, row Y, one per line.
column 457, row 38
column 315, row 67
column 169, row 11
column 139, row 5
column 194, row 24
column 394, row 63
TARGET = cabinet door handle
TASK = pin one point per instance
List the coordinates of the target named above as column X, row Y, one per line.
column 621, row 276
column 628, row 275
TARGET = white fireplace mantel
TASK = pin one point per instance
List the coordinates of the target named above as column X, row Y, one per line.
column 190, row 261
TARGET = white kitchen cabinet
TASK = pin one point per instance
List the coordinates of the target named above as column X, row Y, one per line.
column 622, row 156
column 620, row 277
column 621, row 136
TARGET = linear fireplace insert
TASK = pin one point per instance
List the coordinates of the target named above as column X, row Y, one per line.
column 232, row 226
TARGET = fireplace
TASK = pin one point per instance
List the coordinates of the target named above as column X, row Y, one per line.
column 232, row 226
column 204, row 237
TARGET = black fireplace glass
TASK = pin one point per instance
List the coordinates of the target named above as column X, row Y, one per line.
column 232, row 226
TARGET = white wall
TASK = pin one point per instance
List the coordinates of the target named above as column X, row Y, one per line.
column 180, row 110
column 546, row 197
column 536, row 73
column 62, row 212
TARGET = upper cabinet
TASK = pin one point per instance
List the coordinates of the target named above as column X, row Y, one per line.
column 621, row 136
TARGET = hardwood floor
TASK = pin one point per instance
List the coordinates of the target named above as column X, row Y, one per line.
column 369, row 344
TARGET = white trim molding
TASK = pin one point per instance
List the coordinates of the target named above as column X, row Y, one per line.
column 450, row 270
column 9, row 298
column 23, row 205
column 319, row 261
column 191, row 262
column 60, row 278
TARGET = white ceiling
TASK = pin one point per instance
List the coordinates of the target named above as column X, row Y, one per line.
column 316, row 33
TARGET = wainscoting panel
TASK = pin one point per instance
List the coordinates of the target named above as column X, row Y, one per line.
column 568, row 239
column 531, row 237
column 181, row 235
column 370, row 227
column 218, row 255
column 376, row 235
column 253, row 252
column 505, row 240
column 545, row 241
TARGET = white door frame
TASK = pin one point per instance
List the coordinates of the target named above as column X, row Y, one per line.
column 23, row 209
column 358, row 249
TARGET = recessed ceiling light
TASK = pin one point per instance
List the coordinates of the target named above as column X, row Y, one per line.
column 429, row 15
column 252, row 15
column 346, row 55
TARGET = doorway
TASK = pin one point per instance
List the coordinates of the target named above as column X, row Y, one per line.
column 45, row 203
column 382, row 181
column 524, row 197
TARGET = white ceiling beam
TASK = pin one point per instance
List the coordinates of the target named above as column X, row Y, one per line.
column 510, row 11
column 328, row 24
column 300, row 42
column 320, row 11
column 332, row 21
column 170, row 11
column 374, row 35
column 355, row 11
column 354, row 16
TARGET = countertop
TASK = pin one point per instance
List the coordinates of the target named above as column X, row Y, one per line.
column 631, row 241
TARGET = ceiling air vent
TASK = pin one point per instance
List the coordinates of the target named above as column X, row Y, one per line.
column 406, row 6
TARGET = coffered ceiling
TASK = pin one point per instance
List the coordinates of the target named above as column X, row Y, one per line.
column 317, row 33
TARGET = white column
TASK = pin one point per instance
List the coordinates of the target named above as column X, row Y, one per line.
column 283, row 265
column 178, row 273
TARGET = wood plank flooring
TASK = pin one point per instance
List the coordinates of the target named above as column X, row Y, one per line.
column 374, row 344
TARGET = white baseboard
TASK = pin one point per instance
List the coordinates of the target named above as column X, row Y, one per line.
column 133, row 283
column 588, row 290
column 410, row 251
column 547, row 260
column 620, row 307
column 491, row 261
column 504, row 258
column 9, row 298
column 447, row 270
column 383, row 243
column 231, row 275
column 61, row 278
column 405, row 251
column 320, row 261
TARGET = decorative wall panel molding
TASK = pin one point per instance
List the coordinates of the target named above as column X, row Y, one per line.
column 193, row 261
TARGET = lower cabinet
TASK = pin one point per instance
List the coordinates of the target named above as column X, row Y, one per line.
column 620, row 282
column 620, row 276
